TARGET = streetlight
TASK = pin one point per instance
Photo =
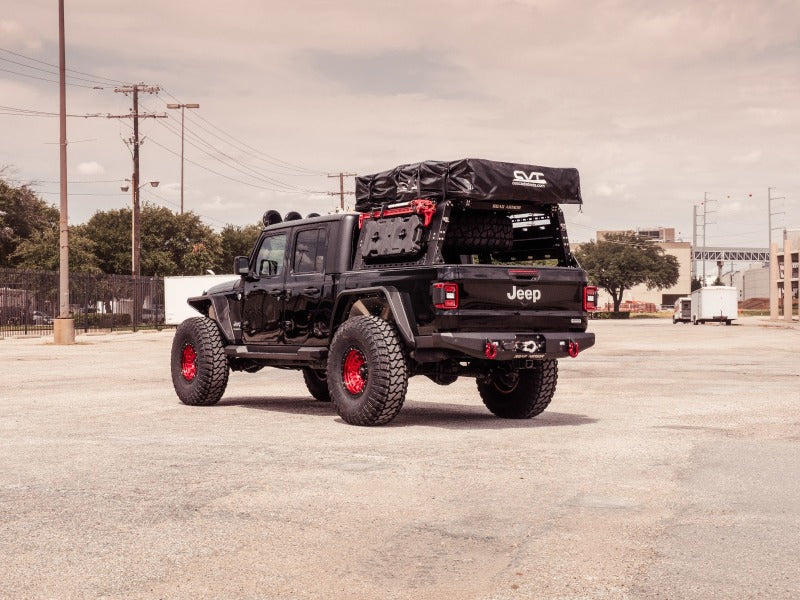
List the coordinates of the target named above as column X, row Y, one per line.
column 135, row 238
column 182, row 107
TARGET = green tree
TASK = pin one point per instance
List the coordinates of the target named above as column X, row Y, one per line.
column 110, row 231
column 174, row 244
column 622, row 261
column 22, row 215
column 171, row 244
column 235, row 241
column 41, row 251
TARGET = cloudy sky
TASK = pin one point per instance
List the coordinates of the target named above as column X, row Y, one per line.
column 656, row 103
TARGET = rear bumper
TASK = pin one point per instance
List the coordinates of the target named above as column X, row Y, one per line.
column 509, row 346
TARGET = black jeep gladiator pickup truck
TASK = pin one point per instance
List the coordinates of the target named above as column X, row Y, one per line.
column 448, row 269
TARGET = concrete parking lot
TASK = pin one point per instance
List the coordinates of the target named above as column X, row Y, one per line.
column 667, row 466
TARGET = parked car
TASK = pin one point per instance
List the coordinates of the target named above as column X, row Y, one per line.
column 153, row 315
column 40, row 318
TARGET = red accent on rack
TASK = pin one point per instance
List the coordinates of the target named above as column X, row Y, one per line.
column 420, row 206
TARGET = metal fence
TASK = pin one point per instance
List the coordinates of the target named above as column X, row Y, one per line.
column 29, row 302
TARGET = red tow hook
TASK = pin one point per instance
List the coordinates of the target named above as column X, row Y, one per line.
column 490, row 350
column 573, row 348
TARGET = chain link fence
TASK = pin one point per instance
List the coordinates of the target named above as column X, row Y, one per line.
column 29, row 302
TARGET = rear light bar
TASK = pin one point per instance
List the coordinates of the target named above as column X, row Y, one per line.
column 590, row 298
column 445, row 295
column 426, row 208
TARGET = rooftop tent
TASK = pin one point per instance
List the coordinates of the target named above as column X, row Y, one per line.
column 516, row 187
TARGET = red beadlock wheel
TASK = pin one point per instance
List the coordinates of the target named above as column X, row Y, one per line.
column 189, row 363
column 198, row 362
column 367, row 371
column 354, row 371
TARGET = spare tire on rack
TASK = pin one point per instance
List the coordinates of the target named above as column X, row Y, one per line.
column 479, row 232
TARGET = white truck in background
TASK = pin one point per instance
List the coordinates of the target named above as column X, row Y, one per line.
column 177, row 290
column 715, row 303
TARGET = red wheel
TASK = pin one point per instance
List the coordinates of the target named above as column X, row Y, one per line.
column 354, row 371
column 198, row 362
column 189, row 363
column 367, row 371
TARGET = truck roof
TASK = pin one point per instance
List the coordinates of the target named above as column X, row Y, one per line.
column 311, row 220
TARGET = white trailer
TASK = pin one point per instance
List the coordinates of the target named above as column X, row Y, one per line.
column 715, row 303
column 177, row 290
column 682, row 313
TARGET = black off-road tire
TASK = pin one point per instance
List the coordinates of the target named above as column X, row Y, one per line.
column 479, row 232
column 367, row 371
column 522, row 394
column 198, row 361
column 317, row 383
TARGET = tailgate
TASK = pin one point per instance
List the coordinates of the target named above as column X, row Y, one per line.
column 517, row 298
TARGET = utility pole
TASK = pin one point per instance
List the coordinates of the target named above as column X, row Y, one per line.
column 136, row 246
column 182, row 107
column 705, row 222
column 135, row 142
column 64, row 327
column 694, row 241
column 773, row 262
column 770, row 214
column 341, row 191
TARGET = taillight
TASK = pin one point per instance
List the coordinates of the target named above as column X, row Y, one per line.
column 590, row 298
column 445, row 295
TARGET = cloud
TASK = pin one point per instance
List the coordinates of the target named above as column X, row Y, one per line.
column 91, row 168
column 390, row 72
column 749, row 158
column 607, row 190
column 15, row 36
column 219, row 205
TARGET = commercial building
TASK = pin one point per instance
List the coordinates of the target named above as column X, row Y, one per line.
column 751, row 283
column 784, row 277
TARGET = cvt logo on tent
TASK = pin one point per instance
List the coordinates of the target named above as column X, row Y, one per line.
column 532, row 179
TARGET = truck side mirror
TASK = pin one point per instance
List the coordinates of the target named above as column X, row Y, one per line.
column 241, row 265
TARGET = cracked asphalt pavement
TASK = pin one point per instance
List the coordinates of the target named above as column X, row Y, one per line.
column 667, row 466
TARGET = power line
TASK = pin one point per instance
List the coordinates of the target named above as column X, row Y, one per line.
column 341, row 191
column 82, row 194
column 28, row 112
column 175, row 204
column 135, row 143
column 90, row 87
column 49, row 71
column 237, row 165
column 233, row 141
column 210, row 170
column 41, row 62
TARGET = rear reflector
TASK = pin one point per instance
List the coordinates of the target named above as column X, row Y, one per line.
column 445, row 295
column 590, row 298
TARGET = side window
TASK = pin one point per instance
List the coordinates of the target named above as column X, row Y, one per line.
column 269, row 261
column 309, row 251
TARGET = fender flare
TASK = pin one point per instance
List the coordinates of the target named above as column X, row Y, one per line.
column 217, row 309
column 394, row 299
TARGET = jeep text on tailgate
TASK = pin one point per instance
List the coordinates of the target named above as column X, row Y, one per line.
column 448, row 270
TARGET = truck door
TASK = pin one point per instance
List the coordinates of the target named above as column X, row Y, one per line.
column 308, row 289
column 264, row 296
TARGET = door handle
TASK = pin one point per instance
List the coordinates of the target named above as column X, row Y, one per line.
column 276, row 293
column 312, row 291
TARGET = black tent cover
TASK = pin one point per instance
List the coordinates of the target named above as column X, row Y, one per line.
column 469, row 179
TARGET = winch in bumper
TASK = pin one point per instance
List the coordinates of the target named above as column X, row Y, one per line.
column 506, row 346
